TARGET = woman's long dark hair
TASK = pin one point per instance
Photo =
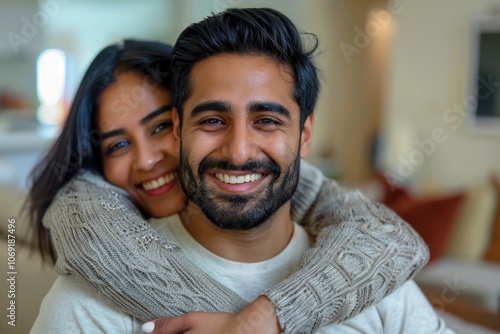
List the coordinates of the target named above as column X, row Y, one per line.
column 77, row 147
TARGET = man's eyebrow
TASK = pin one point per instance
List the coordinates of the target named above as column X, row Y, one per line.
column 210, row 106
column 147, row 118
column 270, row 106
column 226, row 107
column 155, row 113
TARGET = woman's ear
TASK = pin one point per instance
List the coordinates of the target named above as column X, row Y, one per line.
column 306, row 136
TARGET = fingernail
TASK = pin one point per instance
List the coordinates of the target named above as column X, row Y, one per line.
column 148, row 327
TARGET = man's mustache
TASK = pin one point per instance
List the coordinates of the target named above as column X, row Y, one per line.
column 255, row 166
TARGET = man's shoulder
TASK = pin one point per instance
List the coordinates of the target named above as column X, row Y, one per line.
column 67, row 289
column 407, row 295
column 406, row 310
column 73, row 306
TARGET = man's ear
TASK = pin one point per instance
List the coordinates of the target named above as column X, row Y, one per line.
column 177, row 124
column 176, row 132
column 306, row 137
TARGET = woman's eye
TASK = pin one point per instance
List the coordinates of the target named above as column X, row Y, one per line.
column 119, row 145
column 162, row 126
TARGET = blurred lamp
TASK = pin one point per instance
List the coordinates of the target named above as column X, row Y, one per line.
column 50, row 85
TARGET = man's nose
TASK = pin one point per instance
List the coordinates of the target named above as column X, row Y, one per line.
column 239, row 144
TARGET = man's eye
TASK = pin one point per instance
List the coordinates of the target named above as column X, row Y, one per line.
column 268, row 121
column 119, row 145
column 212, row 121
column 163, row 126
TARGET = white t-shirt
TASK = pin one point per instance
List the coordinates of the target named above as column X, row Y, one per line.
column 71, row 306
column 248, row 280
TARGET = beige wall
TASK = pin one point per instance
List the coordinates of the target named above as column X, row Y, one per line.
column 428, row 74
column 348, row 111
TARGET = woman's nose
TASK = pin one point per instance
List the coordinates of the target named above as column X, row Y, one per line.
column 147, row 156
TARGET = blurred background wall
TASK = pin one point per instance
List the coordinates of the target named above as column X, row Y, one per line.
column 429, row 75
column 391, row 69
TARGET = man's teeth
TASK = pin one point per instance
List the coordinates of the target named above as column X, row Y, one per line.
column 231, row 179
column 159, row 182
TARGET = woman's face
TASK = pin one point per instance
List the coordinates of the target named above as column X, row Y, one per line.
column 139, row 152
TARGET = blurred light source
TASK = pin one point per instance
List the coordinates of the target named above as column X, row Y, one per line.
column 50, row 85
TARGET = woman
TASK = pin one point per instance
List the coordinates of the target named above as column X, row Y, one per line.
column 114, row 165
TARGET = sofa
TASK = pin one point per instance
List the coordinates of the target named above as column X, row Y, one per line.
column 462, row 230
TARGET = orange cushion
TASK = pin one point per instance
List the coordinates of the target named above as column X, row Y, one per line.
column 433, row 218
column 493, row 251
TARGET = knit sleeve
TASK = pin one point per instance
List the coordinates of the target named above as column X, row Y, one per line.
column 363, row 252
column 100, row 237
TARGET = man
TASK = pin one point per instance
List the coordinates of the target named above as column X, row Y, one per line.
column 245, row 92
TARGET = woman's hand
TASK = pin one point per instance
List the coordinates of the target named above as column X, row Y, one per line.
column 258, row 318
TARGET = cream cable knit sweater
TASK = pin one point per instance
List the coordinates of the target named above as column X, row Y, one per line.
column 363, row 252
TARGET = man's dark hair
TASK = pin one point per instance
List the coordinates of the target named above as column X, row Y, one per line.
column 253, row 31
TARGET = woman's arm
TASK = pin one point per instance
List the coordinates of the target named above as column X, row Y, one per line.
column 363, row 252
column 100, row 235
column 138, row 256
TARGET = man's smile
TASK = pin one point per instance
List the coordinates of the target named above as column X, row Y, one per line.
column 232, row 179
column 238, row 181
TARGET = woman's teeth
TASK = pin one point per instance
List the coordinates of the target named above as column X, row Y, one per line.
column 231, row 179
column 159, row 182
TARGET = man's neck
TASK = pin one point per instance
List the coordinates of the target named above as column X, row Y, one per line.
column 255, row 245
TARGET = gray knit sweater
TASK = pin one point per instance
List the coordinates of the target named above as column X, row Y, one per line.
column 363, row 252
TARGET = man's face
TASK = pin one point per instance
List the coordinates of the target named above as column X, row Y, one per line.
column 240, row 139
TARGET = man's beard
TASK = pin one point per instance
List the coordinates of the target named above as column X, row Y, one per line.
column 240, row 212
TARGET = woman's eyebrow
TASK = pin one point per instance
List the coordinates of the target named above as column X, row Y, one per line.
column 146, row 119
column 117, row 132
column 155, row 113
